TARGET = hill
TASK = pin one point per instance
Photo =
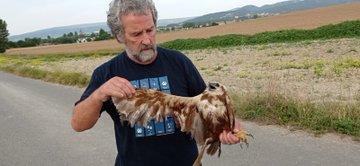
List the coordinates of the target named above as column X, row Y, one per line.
column 85, row 28
column 309, row 19
column 250, row 11
column 242, row 13
column 59, row 31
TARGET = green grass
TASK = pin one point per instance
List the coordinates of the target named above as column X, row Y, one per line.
column 243, row 74
column 319, row 68
column 341, row 65
column 27, row 66
column 65, row 78
column 272, row 108
column 322, row 67
column 59, row 57
column 346, row 29
column 349, row 63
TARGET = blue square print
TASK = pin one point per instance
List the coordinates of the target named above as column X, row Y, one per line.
column 169, row 125
column 139, row 131
column 154, row 83
column 136, row 84
column 159, row 127
column 164, row 83
column 150, row 128
column 144, row 83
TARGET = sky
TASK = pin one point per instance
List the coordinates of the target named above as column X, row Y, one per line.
column 24, row 16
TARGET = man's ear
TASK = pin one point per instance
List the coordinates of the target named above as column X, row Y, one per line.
column 120, row 38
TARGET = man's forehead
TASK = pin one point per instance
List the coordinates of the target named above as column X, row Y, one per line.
column 135, row 14
column 137, row 20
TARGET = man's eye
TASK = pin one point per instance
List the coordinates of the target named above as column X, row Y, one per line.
column 137, row 34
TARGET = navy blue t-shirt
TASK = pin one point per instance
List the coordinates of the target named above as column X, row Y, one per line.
column 171, row 72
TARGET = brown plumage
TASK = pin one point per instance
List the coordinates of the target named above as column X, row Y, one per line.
column 204, row 116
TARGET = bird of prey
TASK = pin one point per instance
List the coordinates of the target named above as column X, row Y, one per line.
column 204, row 116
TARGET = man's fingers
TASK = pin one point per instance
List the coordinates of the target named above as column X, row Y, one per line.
column 118, row 84
column 232, row 138
column 113, row 90
column 125, row 86
column 118, row 94
column 223, row 138
column 228, row 138
column 130, row 86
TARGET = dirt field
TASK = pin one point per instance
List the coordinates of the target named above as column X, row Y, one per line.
column 319, row 71
column 306, row 19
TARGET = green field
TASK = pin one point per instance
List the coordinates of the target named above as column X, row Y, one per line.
column 343, row 30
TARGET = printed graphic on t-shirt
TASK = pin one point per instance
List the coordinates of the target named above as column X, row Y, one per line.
column 154, row 128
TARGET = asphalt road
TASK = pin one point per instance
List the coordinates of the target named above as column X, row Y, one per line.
column 35, row 130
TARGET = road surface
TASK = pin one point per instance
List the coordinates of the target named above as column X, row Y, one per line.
column 35, row 131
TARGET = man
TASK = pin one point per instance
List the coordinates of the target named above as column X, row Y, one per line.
column 144, row 65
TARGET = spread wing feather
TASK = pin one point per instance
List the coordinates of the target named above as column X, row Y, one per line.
column 204, row 116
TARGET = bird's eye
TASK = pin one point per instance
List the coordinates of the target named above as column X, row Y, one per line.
column 213, row 85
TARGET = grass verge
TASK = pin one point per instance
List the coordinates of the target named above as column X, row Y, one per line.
column 65, row 78
column 270, row 108
column 61, row 56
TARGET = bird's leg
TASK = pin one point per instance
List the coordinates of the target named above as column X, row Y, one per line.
column 201, row 154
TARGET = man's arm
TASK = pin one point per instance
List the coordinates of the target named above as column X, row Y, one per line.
column 87, row 112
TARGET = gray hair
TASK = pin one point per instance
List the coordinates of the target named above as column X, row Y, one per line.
column 119, row 8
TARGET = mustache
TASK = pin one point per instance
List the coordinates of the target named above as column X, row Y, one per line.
column 146, row 47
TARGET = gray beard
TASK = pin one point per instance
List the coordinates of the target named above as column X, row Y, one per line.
column 142, row 56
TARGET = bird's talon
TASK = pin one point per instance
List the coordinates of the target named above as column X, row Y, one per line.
column 250, row 135
column 242, row 135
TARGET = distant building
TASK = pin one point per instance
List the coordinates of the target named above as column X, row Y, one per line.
column 81, row 40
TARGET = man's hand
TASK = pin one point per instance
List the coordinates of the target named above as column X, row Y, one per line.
column 117, row 87
column 227, row 137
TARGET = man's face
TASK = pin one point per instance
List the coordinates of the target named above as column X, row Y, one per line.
column 139, row 36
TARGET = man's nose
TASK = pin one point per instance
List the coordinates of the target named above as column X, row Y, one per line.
column 146, row 39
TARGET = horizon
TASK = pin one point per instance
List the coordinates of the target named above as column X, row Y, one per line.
column 95, row 12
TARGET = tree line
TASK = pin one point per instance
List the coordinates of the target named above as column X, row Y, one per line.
column 71, row 37
column 4, row 33
column 66, row 38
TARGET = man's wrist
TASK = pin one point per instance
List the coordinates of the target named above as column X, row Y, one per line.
column 96, row 97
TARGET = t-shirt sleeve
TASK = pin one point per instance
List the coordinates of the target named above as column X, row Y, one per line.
column 95, row 82
column 196, row 84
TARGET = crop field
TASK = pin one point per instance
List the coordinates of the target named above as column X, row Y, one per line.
column 315, row 70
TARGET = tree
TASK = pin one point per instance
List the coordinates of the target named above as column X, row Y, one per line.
column 103, row 35
column 3, row 36
column 214, row 24
column 70, row 34
column 189, row 25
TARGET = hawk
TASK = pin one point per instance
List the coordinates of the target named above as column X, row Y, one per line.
column 204, row 116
